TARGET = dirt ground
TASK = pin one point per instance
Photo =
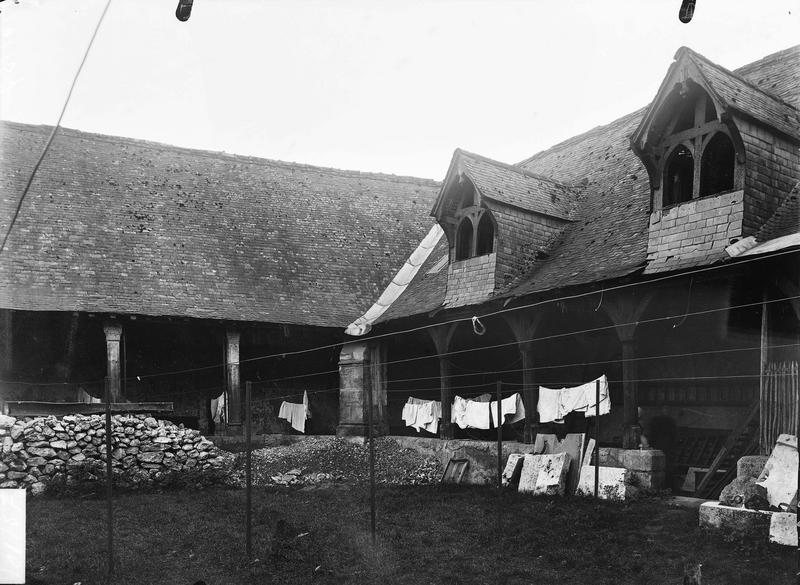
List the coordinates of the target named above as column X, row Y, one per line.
column 425, row 534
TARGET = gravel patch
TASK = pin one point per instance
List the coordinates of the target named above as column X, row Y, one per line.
column 318, row 461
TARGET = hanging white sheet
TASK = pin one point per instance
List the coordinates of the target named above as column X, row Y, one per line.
column 555, row 403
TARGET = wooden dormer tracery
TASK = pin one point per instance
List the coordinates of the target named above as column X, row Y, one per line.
column 468, row 223
column 476, row 233
column 689, row 145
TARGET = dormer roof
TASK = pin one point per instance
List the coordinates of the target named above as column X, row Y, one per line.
column 729, row 92
column 506, row 184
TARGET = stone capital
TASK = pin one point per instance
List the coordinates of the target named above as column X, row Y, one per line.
column 112, row 330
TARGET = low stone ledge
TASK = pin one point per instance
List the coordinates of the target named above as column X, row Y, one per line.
column 739, row 521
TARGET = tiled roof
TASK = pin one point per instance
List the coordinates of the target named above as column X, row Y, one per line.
column 426, row 292
column 777, row 74
column 785, row 220
column 127, row 226
column 745, row 96
column 608, row 236
column 516, row 186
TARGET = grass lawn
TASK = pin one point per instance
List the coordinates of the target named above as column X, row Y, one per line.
column 426, row 535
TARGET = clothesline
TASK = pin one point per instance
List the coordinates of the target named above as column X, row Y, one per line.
column 481, row 413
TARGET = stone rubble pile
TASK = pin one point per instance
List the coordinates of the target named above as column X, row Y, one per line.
column 38, row 452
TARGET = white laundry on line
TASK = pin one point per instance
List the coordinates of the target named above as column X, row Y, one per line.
column 422, row 414
column 555, row 403
column 295, row 413
column 512, row 409
column 470, row 414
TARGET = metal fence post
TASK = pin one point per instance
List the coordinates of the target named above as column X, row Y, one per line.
column 368, row 392
column 248, row 469
column 499, row 437
column 109, row 481
column 597, row 438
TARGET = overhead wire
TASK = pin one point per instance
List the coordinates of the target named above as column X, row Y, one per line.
column 55, row 129
column 468, row 350
column 474, row 319
column 284, row 354
column 497, row 372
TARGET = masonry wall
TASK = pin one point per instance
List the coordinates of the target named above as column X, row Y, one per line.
column 520, row 235
column 696, row 228
column 471, row 280
column 772, row 170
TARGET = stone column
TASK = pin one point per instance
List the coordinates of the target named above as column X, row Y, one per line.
column 377, row 369
column 530, row 392
column 446, row 430
column 233, row 382
column 525, row 326
column 625, row 309
column 441, row 337
column 6, row 341
column 353, row 367
column 113, row 333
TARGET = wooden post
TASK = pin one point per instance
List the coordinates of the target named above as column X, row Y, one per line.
column 530, row 392
column 69, row 350
column 113, row 333
column 441, row 340
column 232, row 383
column 630, row 403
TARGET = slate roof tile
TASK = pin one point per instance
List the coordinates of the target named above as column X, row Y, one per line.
column 426, row 292
column 608, row 236
column 777, row 74
column 120, row 225
column 785, row 220
column 519, row 187
column 747, row 97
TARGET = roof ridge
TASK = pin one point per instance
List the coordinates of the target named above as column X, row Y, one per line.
column 242, row 158
column 518, row 169
column 765, row 58
column 744, row 80
column 583, row 135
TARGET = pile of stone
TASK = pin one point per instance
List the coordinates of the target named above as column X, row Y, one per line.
column 70, row 451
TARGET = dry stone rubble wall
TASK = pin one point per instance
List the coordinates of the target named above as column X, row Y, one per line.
column 43, row 451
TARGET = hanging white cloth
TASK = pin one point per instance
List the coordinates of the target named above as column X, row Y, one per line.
column 470, row 414
column 555, row 403
column 512, row 410
column 218, row 409
column 296, row 414
column 422, row 414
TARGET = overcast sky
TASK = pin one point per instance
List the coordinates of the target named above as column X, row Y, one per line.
column 368, row 85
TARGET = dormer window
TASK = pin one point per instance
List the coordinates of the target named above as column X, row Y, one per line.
column 464, row 239
column 679, row 176
column 689, row 150
column 484, row 243
column 717, row 166
column 475, row 234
